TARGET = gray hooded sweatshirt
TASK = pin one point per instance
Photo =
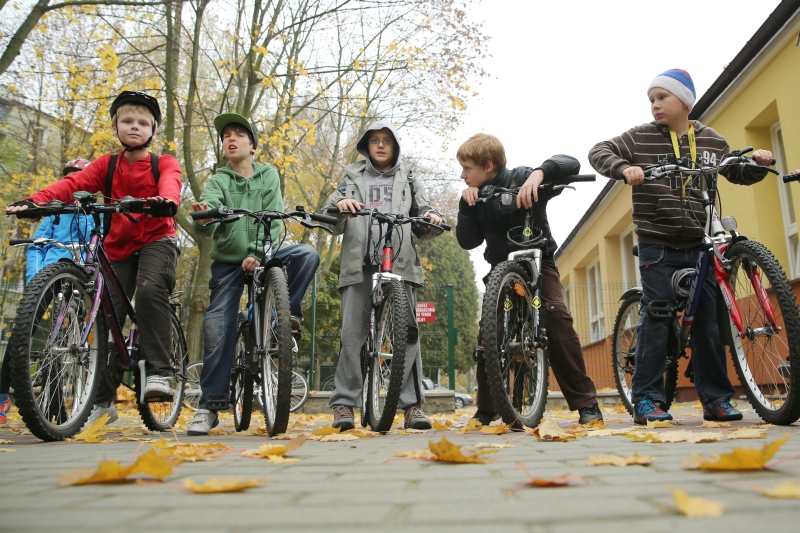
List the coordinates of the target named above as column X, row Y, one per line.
column 389, row 192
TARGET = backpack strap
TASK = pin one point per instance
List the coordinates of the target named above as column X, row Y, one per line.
column 112, row 167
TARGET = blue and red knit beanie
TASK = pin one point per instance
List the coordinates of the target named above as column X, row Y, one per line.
column 679, row 83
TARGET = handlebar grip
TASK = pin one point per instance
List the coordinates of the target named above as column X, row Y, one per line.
column 581, row 178
column 209, row 213
column 15, row 242
column 325, row 219
column 162, row 209
column 36, row 212
column 791, row 177
column 446, row 227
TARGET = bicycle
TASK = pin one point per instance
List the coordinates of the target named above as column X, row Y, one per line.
column 761, row 324
column 264, row 342
column 59, row 345
column 385, row 346
column 514, row 347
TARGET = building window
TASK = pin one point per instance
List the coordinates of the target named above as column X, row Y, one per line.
column 594, row 290
column 787, row 202
column 630, row 265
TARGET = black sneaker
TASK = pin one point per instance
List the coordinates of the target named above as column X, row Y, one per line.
column 587, row 414
column 485, row 417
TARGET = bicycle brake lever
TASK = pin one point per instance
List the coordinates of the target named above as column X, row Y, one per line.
column 311, row 225
column 563, row 187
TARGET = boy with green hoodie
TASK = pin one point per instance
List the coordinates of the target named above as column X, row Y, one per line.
column 242, row 183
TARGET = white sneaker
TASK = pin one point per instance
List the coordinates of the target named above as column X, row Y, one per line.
column 203, row 422
column 157, row 386
column 99, row 411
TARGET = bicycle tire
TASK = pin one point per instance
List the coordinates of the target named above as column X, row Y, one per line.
column 623, row 354
column 767, row 361
column 192, row 391
column 276, row 360
column 299, row 392
column 517, row 376
column 162, row 416
column 55, row 393
column 241, row 383
column 364, row 387
column 387, row 364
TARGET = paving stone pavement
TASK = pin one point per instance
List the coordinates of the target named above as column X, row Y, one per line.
column 350, row 486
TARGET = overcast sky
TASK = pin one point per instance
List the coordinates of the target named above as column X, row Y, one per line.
column 567, row 74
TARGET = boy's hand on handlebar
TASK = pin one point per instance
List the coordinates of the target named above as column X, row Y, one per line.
column 156, row 200
column 348, row 204
column 633, row 175
column 529, row 192
column 197, row 206
column 435, row 219
column 250, row 263
column 763, row 157
column 470, row 195
column 18, row 207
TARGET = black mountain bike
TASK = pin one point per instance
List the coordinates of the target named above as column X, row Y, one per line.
column 59, row 347
column 514, row 340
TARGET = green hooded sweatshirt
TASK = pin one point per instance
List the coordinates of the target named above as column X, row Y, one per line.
column 235, row 241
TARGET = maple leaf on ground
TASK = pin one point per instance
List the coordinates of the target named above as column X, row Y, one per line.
column 747, row 433
column 714, row 424
column 695, row 507
column 93, row 431
column 552, row 482
column 737, row 459
column 595, row 424
column 610, row 432
column 549, row 430
column 617, row 460
column 227, row 484
column 287, row 436
column 680, row 435
column 325, row 430
column 441, row 426
column 660, row 424
column 338, row 437
column 472, row 425
column 424, row 455
column 447, row 452
column 499, row 429
column 149, row 463
column 493, row 445
column 787, row 489
column 267, row 450
column 364, row 434
column 280, row 459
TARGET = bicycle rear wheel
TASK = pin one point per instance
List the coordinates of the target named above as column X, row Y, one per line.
column 385, row 378
column 54, row 374
column 767, row 356
column 299, row 392
column 517, row 372
column 191, row 391
column 162, row 415
column 276, row 361
column 241, row 383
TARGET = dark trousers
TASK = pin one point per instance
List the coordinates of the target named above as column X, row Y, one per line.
column 709, row 366
column 564, row 347
column 150, row 276
column 5, row 374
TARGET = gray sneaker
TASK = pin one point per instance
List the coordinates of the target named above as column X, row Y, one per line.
column 203, row 422
column 343, row 417
column 415, row 418
column 99, row 411
column 157, row 386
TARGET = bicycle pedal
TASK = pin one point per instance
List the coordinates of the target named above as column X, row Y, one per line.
column 218, row 402
column 477, row 354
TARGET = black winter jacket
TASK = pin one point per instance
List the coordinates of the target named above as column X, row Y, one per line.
column 491, row 221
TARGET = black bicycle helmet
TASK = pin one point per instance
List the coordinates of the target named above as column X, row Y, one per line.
column 138, row 98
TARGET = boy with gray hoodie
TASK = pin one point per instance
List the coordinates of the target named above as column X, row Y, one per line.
column 380, row 181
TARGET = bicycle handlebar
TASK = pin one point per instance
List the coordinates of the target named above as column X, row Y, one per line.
column 737, row 157
column 490, row 191
column 393, row 219
column 791, row 177
column 87, row 206
column 222, row 212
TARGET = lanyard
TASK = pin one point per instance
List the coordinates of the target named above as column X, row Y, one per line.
column 692, row 150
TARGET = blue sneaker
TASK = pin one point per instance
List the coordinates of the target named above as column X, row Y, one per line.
column 722, row 412
column 645, row 410
column 5, row 405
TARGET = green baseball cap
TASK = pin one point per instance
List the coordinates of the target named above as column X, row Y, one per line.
column 229, row 118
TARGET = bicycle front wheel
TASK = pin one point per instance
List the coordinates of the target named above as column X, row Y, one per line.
column 241, row 383
column 385, row 378
column 767, row 355
column 299, row 392
column 191, row 391
column 276, row 361
column 162, row 415
column 516, row 371
column 54, row 373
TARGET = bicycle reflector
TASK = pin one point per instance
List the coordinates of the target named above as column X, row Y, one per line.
column 728, row 223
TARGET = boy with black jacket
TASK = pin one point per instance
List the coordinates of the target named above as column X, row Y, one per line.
column 669, row 218
column 482, row 158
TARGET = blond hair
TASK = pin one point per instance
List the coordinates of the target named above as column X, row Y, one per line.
column 482, row 148
column 135, row 108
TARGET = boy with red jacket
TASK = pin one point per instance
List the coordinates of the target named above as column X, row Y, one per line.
column 142, row 250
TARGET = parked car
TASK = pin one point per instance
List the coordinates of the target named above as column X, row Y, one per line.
column 460, row 399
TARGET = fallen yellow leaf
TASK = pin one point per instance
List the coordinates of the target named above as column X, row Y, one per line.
column 364, row 434
column 447, row 452
column 714, row 424
column 149, row 463
column 338, row 437
column 417, row 454
column 6, row 441
column 557, row 481
column 495, row 430
column 748, row 433
column 94, row 430
column 695, row 507
column 610, row 432
column 617, row 460
column 660, row 424
column 267, row 450
column 325, row 430
column 2, row 450
column 677, row 436
column 227, row 484
column 787, row 489
column 472, row 425
column 280, row 459
column 595, row 424
column 441, row 426
column 737, row 459
column 549, row 430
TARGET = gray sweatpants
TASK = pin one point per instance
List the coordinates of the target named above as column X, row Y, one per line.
column 355, row 329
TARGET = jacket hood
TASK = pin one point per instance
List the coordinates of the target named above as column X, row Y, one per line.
column 664, row 129
column 363, row 148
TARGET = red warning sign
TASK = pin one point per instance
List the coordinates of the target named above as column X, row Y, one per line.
column 426, row 311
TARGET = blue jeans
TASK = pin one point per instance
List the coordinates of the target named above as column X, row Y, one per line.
column 222, row 316
column 656, row 265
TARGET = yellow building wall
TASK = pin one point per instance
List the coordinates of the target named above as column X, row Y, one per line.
column 746, row 121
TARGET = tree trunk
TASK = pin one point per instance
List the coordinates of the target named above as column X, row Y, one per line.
column 198, row 302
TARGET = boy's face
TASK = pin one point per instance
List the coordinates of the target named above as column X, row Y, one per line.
column 666, row 107
column 475, row 175
column 236, row 145
column 381, row 149
column 133, row 127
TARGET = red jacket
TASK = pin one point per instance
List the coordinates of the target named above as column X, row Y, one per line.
column 130, row 179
